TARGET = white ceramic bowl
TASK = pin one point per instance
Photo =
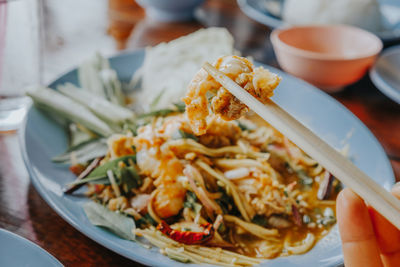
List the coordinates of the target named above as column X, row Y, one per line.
column 329, row 57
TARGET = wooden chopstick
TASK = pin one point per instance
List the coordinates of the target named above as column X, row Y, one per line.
column 343, row 169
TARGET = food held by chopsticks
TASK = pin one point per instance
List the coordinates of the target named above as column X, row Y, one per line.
column 204, row 89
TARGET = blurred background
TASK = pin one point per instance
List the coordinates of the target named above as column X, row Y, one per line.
column 75, row 29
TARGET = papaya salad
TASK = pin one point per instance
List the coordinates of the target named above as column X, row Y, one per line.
column 206, row 180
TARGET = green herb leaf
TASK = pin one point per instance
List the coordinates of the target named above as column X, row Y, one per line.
column 260, row 220
column 285, row 193
column 288, row 167
column 99, row 175
column 337, row 186
column 191, row 202
column 225, row 202
column 93, row 180
column 84, row 152
column 326, row 221
column 246, row 125
column 328, row 212
column 242, row 126
column 305, row 180
column 101, row 171
column 115, row 222
column 209, row 96
column 180, row 106
column 222, row 228
column 131, row 127
column 157, row 113
column 146, row 220
column 180, row 134
column 129, row 178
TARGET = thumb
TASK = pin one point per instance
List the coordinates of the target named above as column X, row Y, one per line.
column 358, row 238
column 387, row 235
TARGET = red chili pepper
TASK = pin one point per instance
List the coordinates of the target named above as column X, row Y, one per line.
column 77, row 169
column 98, row 188
column 187, row 237
column 297, row 216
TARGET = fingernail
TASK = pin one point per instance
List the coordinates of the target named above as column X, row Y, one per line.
column 396, row 185
column 396, row 188
column 350, row 195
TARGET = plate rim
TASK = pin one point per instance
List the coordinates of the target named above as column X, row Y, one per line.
column 90, row 233
column 32, row 246
column 259, row 16
column 379, row 82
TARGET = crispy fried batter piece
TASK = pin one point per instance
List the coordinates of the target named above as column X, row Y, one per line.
column 205, row 94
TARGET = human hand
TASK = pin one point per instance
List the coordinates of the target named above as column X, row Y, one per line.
column 368, row 239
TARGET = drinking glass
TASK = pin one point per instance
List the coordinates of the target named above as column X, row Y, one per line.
column 20, row 58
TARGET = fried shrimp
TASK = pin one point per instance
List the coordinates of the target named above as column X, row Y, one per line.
column 169, row 199
column 160, row 163
column 204, row 94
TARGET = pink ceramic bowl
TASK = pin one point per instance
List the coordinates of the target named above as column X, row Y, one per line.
column 330, row 57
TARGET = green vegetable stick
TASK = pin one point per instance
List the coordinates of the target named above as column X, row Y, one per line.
column 69, row 109
column 102, row 108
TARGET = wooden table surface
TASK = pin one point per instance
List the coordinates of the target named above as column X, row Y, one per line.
column 24, row 212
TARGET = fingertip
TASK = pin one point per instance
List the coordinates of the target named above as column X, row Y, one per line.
column 353, row 218
column 341, row 202
column 341, row 197
column 396, row 190
column 348, row 199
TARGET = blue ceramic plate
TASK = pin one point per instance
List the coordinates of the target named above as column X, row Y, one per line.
column 18, row 251
column 268, row 12
column 42, row 139
column 385, row 73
